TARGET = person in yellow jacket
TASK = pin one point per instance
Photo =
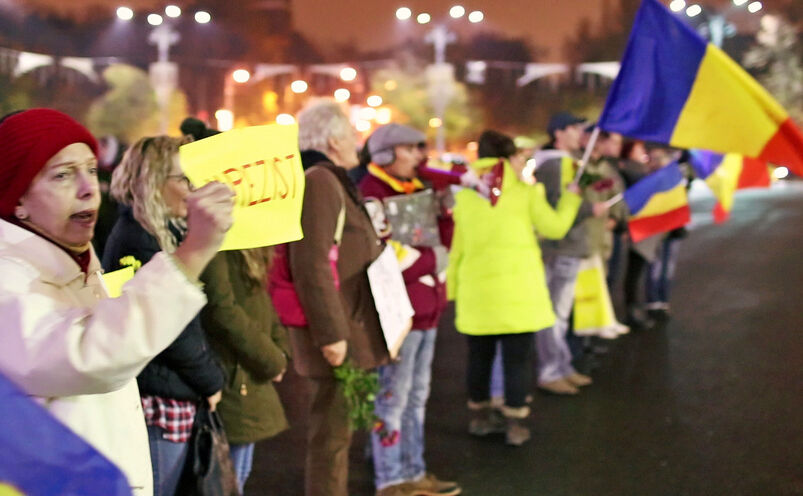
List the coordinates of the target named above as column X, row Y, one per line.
column 496, row 277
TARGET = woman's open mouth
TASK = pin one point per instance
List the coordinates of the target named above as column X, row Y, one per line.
column 85, row 217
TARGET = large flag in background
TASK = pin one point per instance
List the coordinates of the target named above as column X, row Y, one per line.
column 676, row 88
column 724, row 174
column 41, row 456
column 657, row 203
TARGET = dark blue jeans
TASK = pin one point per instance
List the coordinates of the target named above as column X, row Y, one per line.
column 661, row 273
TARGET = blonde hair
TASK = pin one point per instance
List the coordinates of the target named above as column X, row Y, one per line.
column 257, row 262
column 138, row 181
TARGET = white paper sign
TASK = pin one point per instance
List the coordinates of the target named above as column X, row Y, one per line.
column 391, row 300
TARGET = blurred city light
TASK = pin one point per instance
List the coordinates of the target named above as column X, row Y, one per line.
column 298, row 86
column 423, row 18
column 435, row 122
column 383, row 115
column 202, row 17
column 472, row 146
column 348, row 74
column 154, row 19
column 476, row 16
column 403, row 13
column 342, row 94
column 780, row 172
column 367, row 113
column 125, row 13
column 241, row 75
column 391, row 84
column 285, row 119
column 374, row 100
column 754, row 7
column 457, row 12
column 694, row 10
column 225, row 119
column 739, row 3
column 677, row 5
column 362, row 125
column 172, row 11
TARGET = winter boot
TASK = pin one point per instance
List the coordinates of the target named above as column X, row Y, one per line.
column 485, row 419
column 516, row 432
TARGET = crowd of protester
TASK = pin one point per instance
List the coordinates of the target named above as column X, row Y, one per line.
column 197, row 328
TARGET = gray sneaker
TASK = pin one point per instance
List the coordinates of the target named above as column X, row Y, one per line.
column 487, row 421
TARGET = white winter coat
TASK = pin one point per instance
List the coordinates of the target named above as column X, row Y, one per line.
column 78, row 352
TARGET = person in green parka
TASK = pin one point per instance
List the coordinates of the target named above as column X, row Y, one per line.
column 244, row 330
column 496, row 277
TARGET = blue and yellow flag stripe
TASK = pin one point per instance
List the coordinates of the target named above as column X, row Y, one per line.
column 675, row 88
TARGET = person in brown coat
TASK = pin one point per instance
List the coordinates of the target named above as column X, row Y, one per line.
column 341, row 323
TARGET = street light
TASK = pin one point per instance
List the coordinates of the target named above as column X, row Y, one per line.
column 374, row 101
column 403, row 13
column 285, row 119
column 125, row 13
column 714, row 25
column 677, row 5
column 457, row 12
column 440, row 75
column 202, row 17
column 241, row 76
column 155, row 19
column 342, row 94
column 476, row 16
column 299, row 86
column 348, row 74
column 173, row 11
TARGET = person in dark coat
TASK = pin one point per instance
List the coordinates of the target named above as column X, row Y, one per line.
column 342, row 322
column 149, row 182
column 252, row 346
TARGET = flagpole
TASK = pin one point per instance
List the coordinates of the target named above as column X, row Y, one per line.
column 592, row 141
column 614, row 200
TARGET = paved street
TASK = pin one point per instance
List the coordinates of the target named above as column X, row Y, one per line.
column 709, row 404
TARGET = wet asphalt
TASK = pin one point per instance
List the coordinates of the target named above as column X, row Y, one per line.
column 708, row 403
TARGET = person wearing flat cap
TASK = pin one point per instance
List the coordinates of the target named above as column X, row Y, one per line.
column 65, row 342
column 398, row 443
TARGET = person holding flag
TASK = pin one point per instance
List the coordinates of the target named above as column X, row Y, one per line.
column 555, row 169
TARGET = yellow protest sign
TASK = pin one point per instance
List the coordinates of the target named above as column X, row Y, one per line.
column 263, row 167
column 114, row 280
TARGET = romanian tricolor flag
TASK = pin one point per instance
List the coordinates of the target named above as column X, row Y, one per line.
column 658, row 203
column 675, row 88
column 40, row 455
column 724, row 174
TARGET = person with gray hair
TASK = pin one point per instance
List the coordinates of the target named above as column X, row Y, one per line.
column 342, row 320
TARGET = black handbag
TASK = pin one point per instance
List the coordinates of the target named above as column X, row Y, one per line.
column 208, row 470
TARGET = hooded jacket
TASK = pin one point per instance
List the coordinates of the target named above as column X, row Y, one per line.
column 495, row 272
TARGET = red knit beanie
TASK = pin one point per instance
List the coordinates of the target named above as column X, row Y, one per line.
column 27, row 141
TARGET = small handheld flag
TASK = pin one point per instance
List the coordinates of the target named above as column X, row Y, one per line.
column 658, row 203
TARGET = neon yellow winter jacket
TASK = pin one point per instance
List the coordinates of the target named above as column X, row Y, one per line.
column 495, row 270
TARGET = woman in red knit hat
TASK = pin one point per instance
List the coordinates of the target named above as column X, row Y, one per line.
column 64, row 341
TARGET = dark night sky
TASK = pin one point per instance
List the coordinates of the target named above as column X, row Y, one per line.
column 544, row 23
